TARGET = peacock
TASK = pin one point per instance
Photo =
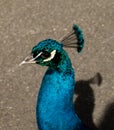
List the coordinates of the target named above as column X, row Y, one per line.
column 54, row 109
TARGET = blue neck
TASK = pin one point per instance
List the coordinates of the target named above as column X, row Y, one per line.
column 54, row 109
column 58, row 83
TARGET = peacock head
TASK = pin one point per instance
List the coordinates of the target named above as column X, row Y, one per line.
column 45, row 53
column 49, row 52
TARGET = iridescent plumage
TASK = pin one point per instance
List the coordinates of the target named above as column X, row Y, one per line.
column 54, row 109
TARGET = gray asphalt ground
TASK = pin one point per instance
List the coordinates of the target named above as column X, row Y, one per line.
column 23, row 23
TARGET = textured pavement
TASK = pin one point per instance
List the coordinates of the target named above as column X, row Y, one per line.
column 23, row 23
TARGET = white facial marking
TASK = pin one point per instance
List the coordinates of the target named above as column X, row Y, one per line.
column 51, row 57
column 37, row 56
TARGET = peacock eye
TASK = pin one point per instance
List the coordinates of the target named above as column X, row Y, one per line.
column 45, row 54
column 34, row 54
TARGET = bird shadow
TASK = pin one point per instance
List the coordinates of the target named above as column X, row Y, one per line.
column 84, row 101
column 107, row 121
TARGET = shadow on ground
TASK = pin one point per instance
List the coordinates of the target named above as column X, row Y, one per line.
column 107, row 122
column 84, row 104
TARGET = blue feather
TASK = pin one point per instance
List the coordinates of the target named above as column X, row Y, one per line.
column 80, row 38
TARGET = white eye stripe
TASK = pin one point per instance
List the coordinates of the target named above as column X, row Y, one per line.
column 51, row 57
column 37, row 56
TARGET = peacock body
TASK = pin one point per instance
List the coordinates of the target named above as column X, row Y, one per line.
column 54, row 109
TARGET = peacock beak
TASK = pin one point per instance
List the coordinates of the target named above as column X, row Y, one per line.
column 29, row 59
